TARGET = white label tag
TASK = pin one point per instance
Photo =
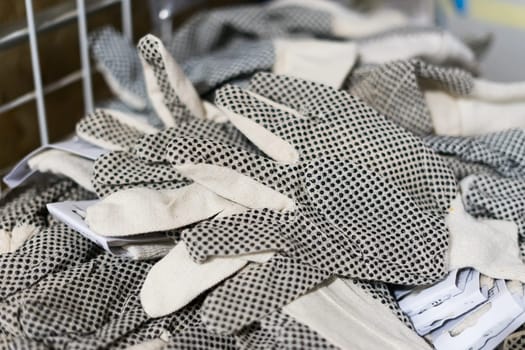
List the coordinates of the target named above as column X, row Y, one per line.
column 422, row 298
column 483, row 324
column 453, row 307
column 72, row 213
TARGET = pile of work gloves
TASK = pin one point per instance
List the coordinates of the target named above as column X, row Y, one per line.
column 301, row 158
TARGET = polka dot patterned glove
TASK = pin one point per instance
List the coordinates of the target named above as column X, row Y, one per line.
column 515, row 341
column 112, row 129
column 53, row 249
column 91, row 305
column 144, row 164
column 25, row 215
column 395, row 90
column 211, row 29
column 310, row 121
column 119, row 63
column 503, row 151
column 344, row 223
column 495, row 197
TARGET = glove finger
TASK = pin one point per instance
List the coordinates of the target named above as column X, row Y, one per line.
column 120, row 169
column 112, row 130
column 175, row 280
column 235, row 174
column 253, row 231
column 172, row 95
column 256, row 292
column 152, row 147
column 140, row 210
column 189, row 151
column 120, row 66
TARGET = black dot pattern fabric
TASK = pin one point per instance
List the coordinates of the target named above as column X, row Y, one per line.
column 210, row 30
column 463, row 168
column 91, row 305
column 119, row 58
column 29, row 207
column 495, row 197
column 394, row 89
column 503, row 152
column 280, row 331
column 241, row 58
column 339, row 228
column 144, row 164
column 340, row 125
column 116, row 171
column 515, row 341
column 53, row 249
column 149, row 50
column 102, row 125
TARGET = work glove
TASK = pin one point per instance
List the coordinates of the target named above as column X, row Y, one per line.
column 500, row 151
column 427, row 99
column 210, row 30
column 351, row 112
column 119, row 64
column 24, row 215
column 495, row 197
column 319, row 223
column 395, row 90
column 91, row 305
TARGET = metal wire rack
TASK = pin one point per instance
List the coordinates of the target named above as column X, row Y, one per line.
column 49, row 20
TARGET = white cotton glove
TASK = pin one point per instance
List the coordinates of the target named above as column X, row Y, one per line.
column 346, row 23
column 490, row 107
column 322, row 61
column 112, row 129
column 489, row 246
column 176, row 280
column 187, row 100
column 349, row 318
column 142, row 210
column 63, row 163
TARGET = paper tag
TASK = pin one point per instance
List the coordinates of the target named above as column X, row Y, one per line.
column 22, row 172
column 423, row 298
column 72, row 213
column 457, row 305
column 487, row 321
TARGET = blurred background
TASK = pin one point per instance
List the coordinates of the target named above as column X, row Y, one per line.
column 500, row 23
